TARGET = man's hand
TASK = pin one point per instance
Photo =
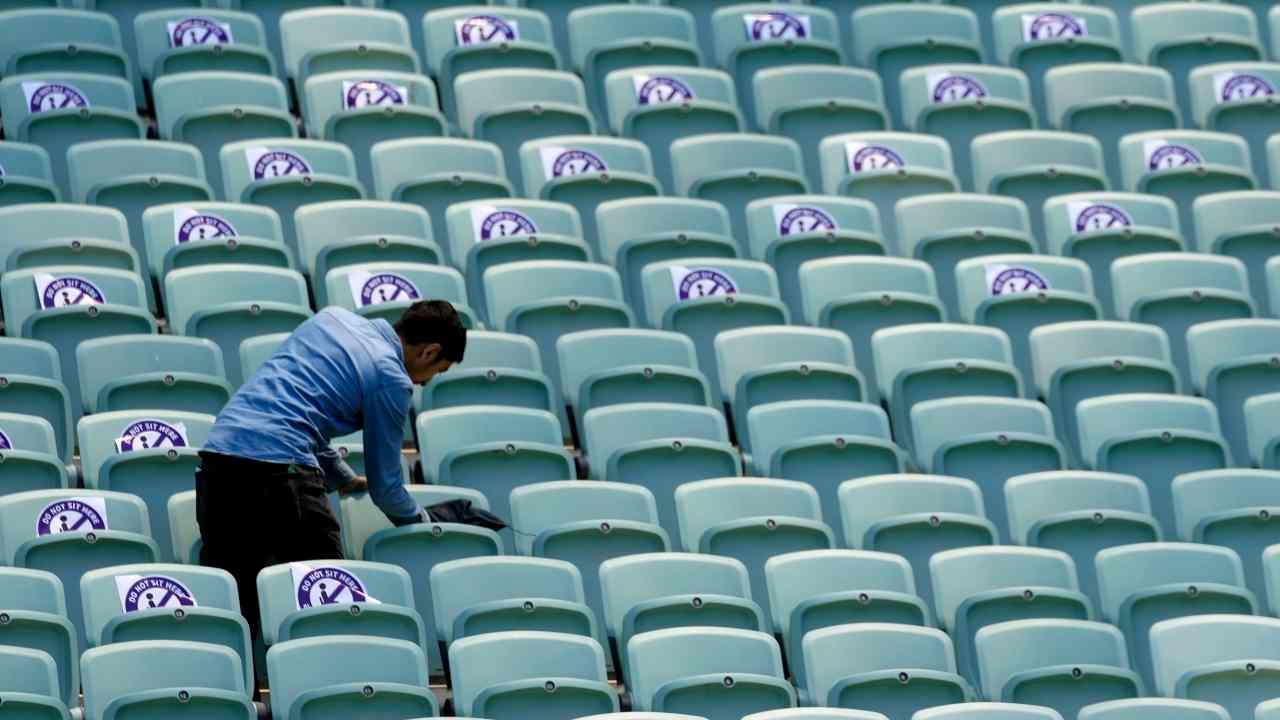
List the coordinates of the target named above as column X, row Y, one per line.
column 359, row 485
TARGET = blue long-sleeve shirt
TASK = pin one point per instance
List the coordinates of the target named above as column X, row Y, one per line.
column 338, row 372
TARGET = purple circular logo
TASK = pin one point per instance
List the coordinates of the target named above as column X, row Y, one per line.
column 1102, row 217
column 157, row 591
column 148, row 434
column 1017, row 280
column 955, row 88
column 777, row 26
column 5, row 442
column 71, row 290
column 329, row 586
column 663, row 89
column 805, row 220
column 368, row 93
column 505, row 223
column 56, row 96
column 577, row 162
column 1173, row 156
column 198, row 31
column 705, row 282
column 485, row 29
column 204, row 227
column 1245, row 86
column 69, row 516
column 875, row 157
column 1049, row 26
column 278, row 163
column 387, row 287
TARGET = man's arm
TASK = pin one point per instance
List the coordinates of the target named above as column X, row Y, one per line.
column 384, row 414
column 337, row 473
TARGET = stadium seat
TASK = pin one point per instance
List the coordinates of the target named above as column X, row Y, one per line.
column 1038, row 37
column 1141, row 585
column 69, row 532
column 386, row 289
column 884, row 168
column 1225, row 659
column 58, row 110
column 184, row 529
column 735, row 168
column 31, row 376
column 1271, row 573
column 1273, row 150
column 63, row 40
column 987, row 440
column 1232, row 361
column 492, row 449
column 529, row 674
column 930, row 361
column 690, row 669
column 639, row 231
column 49, row 233
column 655, row 591
column 37, row 611
column 802, row 713
column 229, row 303
column 1151, row 708
column 352, row 232
column 658, row 104
column 1100, row 228
column 988, row 711
column 30, row 455
column 362, row 108
column 860, row 295
column 816, row 589
column 1260, row 414
column 499, row 369
column 324, row 39
column 752, row 520
column 511, row 106
column 658, row 446
column 1241, row 225
column 1176, row 291
column 168, row 677
column 946, row 228
column 1019, row 293
column 206, row 233
column 790, row 230
column 1080, row 513
column 327, row 678
column 30, row 685
column 821, row 443
column 893, row 38
column 152, row 372
column 1035, row 165
column 26, row 175
column 1061, row 664
column 1185, row 164
column 72, row 304
column 201, row 40
column 1231, row 508
column 1137, row 98
column 435, row 173
column 1232, row 98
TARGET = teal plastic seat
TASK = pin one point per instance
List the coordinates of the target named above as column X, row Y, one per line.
column 530, row 674
column 386, row 289
column 1156, row 437
column 1225, row 659
column 931, row 361
column 1176, row 291
column 1137, row 98
column 368, row 535
column 790, row 230
column 687, row 670
column 658, row 104
column 499, row 369
column 702, row 297
column 821, row 443
column 195, row 679
column 85, row 303
column 257, row 350
column 207, row 39
column 977, row 587
column 413, row 12
column 47, row 233
column 635, row 232
column 344, row 233
column 1061, row 664
column 1231, row 508
column 65, row 109
column 28, row 175
column 1080, row 513
column 816, row 589
column 30, row 686
column 947, row 228
column 30, row 452
column 887, row 668
column 751, row 520
column 102, row 529
column 324, row 39
column 327, row 678
column 1038, row 37
column 656, row 591
column 271, row 12
column 37, row 610
column 860, row 295
column 558, row 11
column 184, row 530
column 152, row 372
column 1100, row 228
column 1232, row 97
column 1232, row 361
column 1241, row 225
column 1183, row 165
column 659, row 446
column 988, row 711
column 1273, row 155
column 511, row 106
column 893, row 38
column 63, row 40
column 1260, row 415
column 33, row 386
column 885, row 167
column 803, row 713
column 208, row 233
column 1271, row 573
column 1151, row 708
column 487, row 233
column 758, row 36
column 229, row 303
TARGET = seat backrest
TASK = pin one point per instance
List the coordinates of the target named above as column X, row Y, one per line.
column 704, row 504
column 34, row 590
column 1127, row 569
column 361, row 519
column 1070, row 87
column 667, row 284
column 31, row 29
column 796, row 577
column 509, row 286
column 52, row 221
column 471, row 223
column 982, row 278
column 829, row 279
column 594, row 27
column 288, row 588
column 1198, row 496
column 878, row 28
column 1033, row 497
column 583, row 354
column 488, row 349
column 320, row 225
column 922, row 217
column 1102, row 419
column 330, row 94
column 1009, row 648
column 190, row 290
column 121, row 669
column 450, row 28
column 782, row 88
column 834, row 653
column 107, row 434
column 1139, row 276
column 698, row 157
column 772, row 219
column 25, row 96
column 900, row 348
column 165, row 226
column 91, row 164
column 998, row 154
column 548, row 159
column 1157, row 26
column 441, row 432
column 938, row 423
column 988, row 711
column 359, row 286
column 775, row 425
column 1143, row 154
column 1150, row 708
column 1219, row 84
column 854, row 153
column 487, row 91
column 737, row 27
column 62, row 285
column 1060, row 345
column 102, row 360
column 483, row 661
column 29, row 357
column 609, row 429
column 27, row 433
column 298, row 666
column 1022, row 26
column 1212, row 344
column 29, row 672
column 622, row 220
column 1183, row 644
column 869, row 500
column 934, row 84
column 177, row 96
column 630, row 89
column 659, row 657
column 108, row 593
column 161, row 32
column 303, row 32
column 633, row 579
column 461, row 584
column 397, row 162
column 25, row 160
column 1221, row 214
column 960, row 574
column 249, row 161
column 744, row 350
column 1067, row 216
column 542, row 506
column 1261, row 413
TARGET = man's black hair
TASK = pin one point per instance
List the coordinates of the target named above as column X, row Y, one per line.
column 434, row 321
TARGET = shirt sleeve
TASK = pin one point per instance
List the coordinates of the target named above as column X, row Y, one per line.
column 384, row 416
column 337, row 473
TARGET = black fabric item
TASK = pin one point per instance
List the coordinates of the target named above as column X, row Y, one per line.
column 461, row 511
